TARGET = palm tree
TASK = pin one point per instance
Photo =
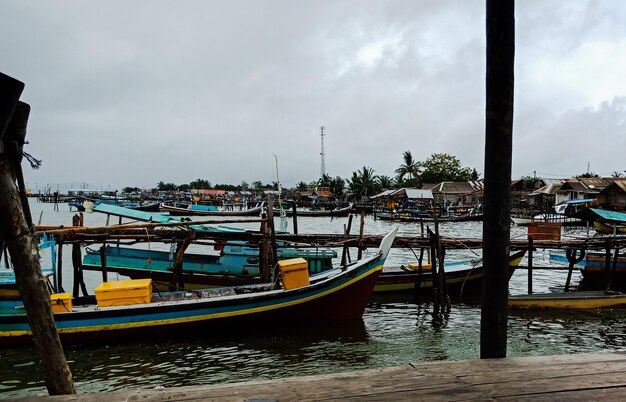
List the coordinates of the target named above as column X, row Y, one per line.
column 364, row 182
column 302, row 186
column 385, row 182
column 410, row 168
column 325, row 181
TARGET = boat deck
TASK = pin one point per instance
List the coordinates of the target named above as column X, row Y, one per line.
column 583, row 377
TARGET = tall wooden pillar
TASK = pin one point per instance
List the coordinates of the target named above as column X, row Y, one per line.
column 17, row 234
column 497, row 196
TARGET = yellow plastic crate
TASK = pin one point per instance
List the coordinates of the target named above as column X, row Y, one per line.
column 124, row 293
column 61, row 303
column 294, row 273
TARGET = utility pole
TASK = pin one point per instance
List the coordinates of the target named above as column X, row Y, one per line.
column 323, row 153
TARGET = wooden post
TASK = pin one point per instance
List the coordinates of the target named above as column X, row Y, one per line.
column 500, row 26
column 294, row 217
column 15, row 231
column 607, row 263
column 345, row 255
column 59, row 273
column 177, row 272
column 361, row 230
column 272, row 230
column 433, row 268
column 572, row 258
column 530, row 265
column 103, row 262
column 612, row 273
column 264, row 252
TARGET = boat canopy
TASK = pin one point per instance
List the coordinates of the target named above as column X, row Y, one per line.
column 129, row 213
column 594, row 214
column 576, row 202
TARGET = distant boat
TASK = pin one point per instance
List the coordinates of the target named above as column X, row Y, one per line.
column 205, row 210
column 552, row 218
column 336, row 212
column 568, row 300
column 129, row 309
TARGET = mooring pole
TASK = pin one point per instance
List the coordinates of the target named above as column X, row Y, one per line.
column 497, row 196
column 16, row 230
column 530, row 265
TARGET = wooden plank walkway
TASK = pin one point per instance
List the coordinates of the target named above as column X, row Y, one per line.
column 583, row 377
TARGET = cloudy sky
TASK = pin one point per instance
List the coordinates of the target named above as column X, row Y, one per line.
column 129, row 93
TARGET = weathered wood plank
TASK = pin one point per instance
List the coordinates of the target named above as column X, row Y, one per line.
column 570, row 377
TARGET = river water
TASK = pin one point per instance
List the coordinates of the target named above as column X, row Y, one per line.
column 395, row 330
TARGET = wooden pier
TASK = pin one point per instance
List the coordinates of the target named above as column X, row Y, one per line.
column 582, row 377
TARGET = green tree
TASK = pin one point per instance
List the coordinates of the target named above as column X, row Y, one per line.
column 410, row 168
column 444, row 167
column 588, row 175
column 161, row 186
column 385, row 182
column 324, row 181
column 302, row 186
column 200, row 184
column 337, row 186
column 128, row 190
column 364, row 182
column 257, row 185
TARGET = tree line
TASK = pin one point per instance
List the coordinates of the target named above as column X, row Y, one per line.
column 363, row 182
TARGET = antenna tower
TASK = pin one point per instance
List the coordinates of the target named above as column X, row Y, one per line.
column 323, row 153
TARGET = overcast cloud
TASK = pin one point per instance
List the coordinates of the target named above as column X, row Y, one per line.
column 129, row 93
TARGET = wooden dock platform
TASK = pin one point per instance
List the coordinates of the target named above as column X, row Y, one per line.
column 582, row 377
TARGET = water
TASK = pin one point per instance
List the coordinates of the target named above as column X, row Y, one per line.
column 395, row 330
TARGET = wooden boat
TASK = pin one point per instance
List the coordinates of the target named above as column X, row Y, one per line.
column 337, row 212
column 425, row 216
column 192, row 210
column 237, row 264
column 461, row 277
column 607, row 228
column 593, row 268
column 568, row 300
column 339, row 294
column 605, row 222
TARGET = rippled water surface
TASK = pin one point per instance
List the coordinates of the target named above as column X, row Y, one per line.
column 394, row 330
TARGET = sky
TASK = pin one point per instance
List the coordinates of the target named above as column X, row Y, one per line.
column 130, row 93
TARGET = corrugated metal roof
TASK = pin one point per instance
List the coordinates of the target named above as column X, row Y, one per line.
column 452, row 187
column 619, row 183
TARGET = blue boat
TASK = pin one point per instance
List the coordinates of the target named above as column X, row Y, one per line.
column 339, row 294
column 237, row 263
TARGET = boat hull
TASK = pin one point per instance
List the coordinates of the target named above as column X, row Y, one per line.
column 343, row 296
column 459, row 281
column 568, row 300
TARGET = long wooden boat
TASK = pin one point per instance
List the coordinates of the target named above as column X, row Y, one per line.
column 421, row 217
column 463, row 278
column 189, row 211
column 568, row 300
column 337, row 212
column 237, row 264
column 339, row 294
